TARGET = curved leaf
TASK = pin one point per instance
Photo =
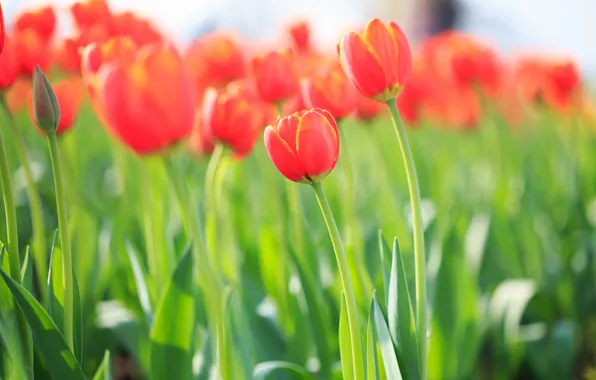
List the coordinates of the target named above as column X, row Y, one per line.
column 386, row 344
column 262, row 370
column 60, row 361
column 104, row 372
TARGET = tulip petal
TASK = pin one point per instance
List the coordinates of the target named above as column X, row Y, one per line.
column 317, row 145
column 404, row 51
column 361, row 65
column 377, row 35
column 287, row 129
column 283, row 158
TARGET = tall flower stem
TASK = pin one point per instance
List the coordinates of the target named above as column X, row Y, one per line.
column 418, row 230
column 64, row 238
column 14, row 260
column 39, row 231
column 344, row 273
column 210, row 176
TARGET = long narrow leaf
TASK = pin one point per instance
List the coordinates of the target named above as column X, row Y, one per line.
column 173, row 326
column 60, row 361
column 263, row 370
column 388, row 351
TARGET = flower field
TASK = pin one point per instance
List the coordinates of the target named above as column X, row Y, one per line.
column 379, row 209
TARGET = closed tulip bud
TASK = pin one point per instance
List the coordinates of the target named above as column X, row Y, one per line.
column 377, row 62
column 304, row 146
column 45, row 104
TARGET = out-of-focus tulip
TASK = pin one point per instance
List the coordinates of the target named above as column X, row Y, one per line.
column 17, row 95
column 562, row 85
column 229, row 118
column 200, row 141
column 411, row 103
column 304, row 146
column 118, row 50
column 141, row 31
column 299, row 33
column 42, row 21
column 69, row 96
column 9, row 65
column 2, row 29
column 68, row 54
column 44, row 103
column 214, row 61
column 31, row 49
column 91, row 13
column 368, row 109
column 274, row 76
column 147, row 103
column 330, row 89
column 377, row 62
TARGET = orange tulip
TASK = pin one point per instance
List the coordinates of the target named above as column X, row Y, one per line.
column 377, row 62
column 69, row 94
column 330, row 89
column 9, row 65
column 229, row 118
column 304, row 146
column 147, row 103
column 274, row 76
column 214, row 61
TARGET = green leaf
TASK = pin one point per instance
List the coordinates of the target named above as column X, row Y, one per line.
column 384, row 253
column 104, row 372
column 345, row 344
column 400, row 314
column 60, row 361
column 372, row 358
column 55, row 299
column 27, row 271
column 142, row 289
column 173, row 326
column 388, row 350
column 263, row 370
column 10, row 344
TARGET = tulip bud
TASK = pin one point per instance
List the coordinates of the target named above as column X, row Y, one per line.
column 45, row 105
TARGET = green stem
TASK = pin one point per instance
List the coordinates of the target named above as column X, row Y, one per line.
column 344, row 273
column 64, row 239
column 37, row 220
column 295, row 210
column 14, row 260
column 418, row 229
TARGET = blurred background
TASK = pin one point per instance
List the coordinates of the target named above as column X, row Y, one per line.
column 513, row 26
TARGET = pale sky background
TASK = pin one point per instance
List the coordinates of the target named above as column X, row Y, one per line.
column 558, row 26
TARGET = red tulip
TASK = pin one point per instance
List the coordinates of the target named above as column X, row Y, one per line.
column 214, row 61
column 229, row 118
column 274, row 76
column 69, row 94
column 2, row 29
column 377, row 62
column 368, row 109
column 330, row 89
column 9, row 65
column 304, row 146
column 148, row 103
column 31, row 49
column 299, row 33
column 42, row 21
column 91, row 13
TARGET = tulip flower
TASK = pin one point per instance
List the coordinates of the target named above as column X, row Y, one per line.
column 9, row 65
column 2, row 29
column 147, row 103
column 377, row 62
column 69, row 96
column 228, row 116
column 91, row 13
column 42, row 21
column 304, row 146
column 274, row 76
column 330, row 89
column 299, row 33
column 368, row 109
column 214, row 61
column 31, row 50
